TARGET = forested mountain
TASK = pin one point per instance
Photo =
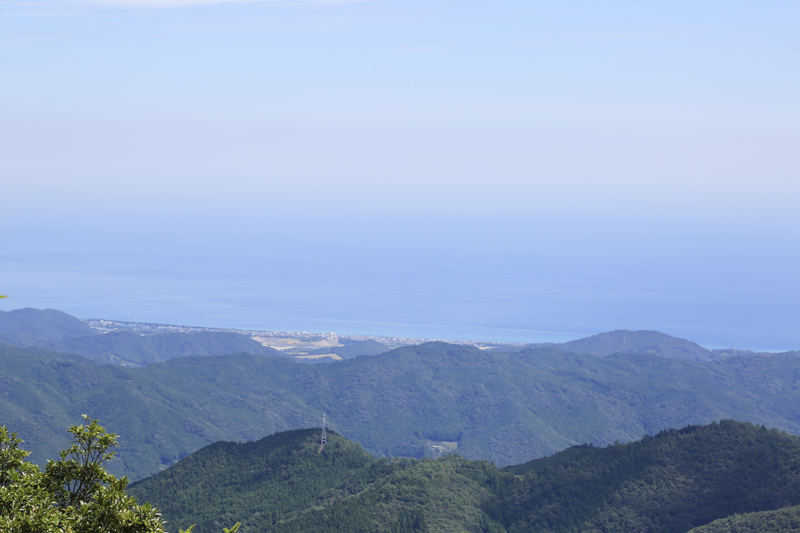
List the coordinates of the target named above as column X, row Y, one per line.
column 672, row 482
column 786, row 520
column 159, row 415
column 508, row 408
column 285, row 483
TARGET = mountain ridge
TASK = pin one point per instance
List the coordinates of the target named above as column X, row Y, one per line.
column 508, row 408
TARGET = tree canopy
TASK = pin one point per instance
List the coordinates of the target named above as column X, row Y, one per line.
column 72, row 494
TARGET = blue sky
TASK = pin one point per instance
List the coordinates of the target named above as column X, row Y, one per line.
column 567, row 167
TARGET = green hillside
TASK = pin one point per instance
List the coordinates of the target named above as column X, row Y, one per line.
column 159, row 416
column 224, row 479
column 672, row 482
column 283, row 483
column 785, row 520
column 507, row 408
column 669, row 483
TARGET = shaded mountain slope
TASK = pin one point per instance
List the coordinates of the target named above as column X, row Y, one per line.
column 675, row 481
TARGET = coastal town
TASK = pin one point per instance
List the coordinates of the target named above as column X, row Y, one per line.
column 282, row 340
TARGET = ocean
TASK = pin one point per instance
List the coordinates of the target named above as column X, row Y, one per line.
column 423, row 291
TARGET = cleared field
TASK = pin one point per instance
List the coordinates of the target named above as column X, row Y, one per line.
column 294, row 344
column 320, row 356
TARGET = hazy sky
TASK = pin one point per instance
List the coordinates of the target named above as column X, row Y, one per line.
column 564, row 167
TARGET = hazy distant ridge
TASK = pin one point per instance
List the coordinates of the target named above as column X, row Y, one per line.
column 58, row 331
column 36, row 327
column 129, row 347
column 61, row 332
column 624, row 341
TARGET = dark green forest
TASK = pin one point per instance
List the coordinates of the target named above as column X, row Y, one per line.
column 669, row 483
column 786, row 520
column 726, row 476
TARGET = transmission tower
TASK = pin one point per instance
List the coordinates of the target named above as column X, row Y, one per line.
column 324, row 439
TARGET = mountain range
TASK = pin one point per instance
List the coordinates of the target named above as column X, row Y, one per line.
column 414, row 401
column 58, row 331
column 558, row 412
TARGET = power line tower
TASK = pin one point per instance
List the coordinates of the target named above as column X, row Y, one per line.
column 324, row 439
